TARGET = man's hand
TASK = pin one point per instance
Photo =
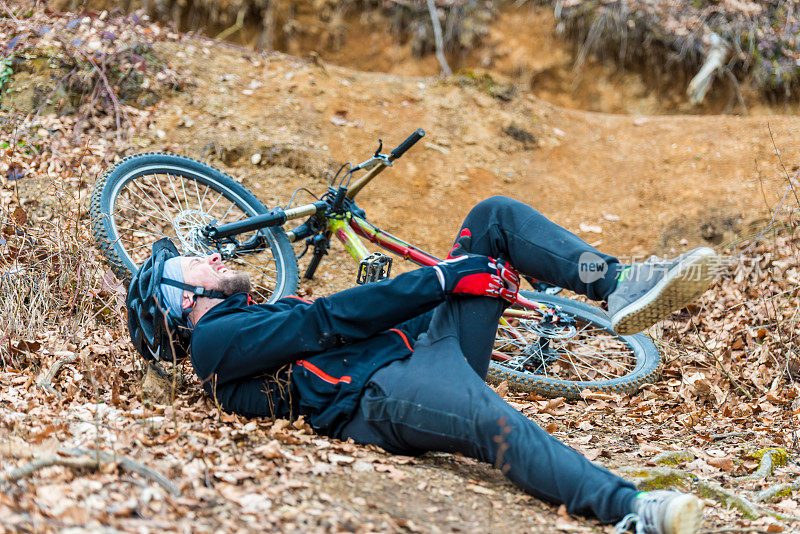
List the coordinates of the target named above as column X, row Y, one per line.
column 510, row 278
column 473, row 274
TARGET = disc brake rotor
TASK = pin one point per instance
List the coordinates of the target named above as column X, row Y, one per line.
column 188, row 225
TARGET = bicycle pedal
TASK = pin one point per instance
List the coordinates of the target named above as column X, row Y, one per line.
column 374, row 267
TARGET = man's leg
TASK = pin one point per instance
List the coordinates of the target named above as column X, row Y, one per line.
column 534, row 245
column 537, row 247
column 638, row 295
column 434, row 401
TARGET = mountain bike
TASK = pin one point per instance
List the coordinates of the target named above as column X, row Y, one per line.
column 546, row 343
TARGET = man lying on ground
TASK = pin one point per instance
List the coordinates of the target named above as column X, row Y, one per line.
column 401, row 363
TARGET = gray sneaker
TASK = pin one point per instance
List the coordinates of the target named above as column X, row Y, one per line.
column 649, row 291
column 664, row 512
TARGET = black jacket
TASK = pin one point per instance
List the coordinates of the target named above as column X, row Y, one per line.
column 315, row 357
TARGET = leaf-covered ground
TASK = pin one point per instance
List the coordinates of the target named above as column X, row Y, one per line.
column 71, row 387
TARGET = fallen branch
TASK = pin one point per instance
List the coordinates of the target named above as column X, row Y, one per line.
column 90, row 459
column 47, row 461
column 437, row 36
column 132, row 465
column 51, row 373
column 701, row 83
column 726, row 435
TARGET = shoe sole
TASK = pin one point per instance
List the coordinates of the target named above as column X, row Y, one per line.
column 686, row 516
column 682, row 284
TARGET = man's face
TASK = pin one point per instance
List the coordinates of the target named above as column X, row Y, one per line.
column 209, row 272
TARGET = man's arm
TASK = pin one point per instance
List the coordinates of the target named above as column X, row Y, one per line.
column 265, row 339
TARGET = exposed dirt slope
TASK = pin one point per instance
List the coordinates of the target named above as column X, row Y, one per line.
column 576, row 167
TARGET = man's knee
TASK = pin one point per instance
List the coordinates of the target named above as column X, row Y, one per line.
column 483, row 210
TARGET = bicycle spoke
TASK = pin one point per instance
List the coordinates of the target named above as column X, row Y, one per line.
column 177, row 198
column 587, row 365
column 147, row 220
column 159, row 236
column 253, row 265
column 183, row 188
column 153, row 203
column 166, row 199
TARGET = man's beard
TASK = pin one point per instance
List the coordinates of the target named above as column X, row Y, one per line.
column 234, row 282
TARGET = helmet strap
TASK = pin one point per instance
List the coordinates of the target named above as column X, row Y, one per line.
column 196, row 290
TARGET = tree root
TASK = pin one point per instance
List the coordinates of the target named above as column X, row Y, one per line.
column 673, row 457
column 778, row 490
column 727, row 498
column 90, row 459
column 769, row 459
column 653, row 478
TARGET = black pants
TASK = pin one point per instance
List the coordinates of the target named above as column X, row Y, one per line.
column 437, row 398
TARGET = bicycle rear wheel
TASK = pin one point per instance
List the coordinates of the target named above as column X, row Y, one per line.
column 579, row 352
column 150, row 196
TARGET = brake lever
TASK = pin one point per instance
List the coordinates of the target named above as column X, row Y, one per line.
column 377, row 157
column 383, row 159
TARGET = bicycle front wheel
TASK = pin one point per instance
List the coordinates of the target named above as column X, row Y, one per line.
column 580, row 351
column 150, row 196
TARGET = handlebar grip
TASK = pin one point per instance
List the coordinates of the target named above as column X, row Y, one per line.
column 408, row 143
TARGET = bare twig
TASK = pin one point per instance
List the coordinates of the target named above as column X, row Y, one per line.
column 90, row 459
column 224, row 34
column 780, row 160
column 10, row 13
column 135, row 467
column 437, row 36
column 47, row 461
column 51, row 373
column 111, row 95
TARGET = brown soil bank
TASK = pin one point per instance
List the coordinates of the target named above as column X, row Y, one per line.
column 616, row 180
column 617, row 57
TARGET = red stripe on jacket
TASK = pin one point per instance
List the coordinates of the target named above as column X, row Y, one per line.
column 322, row 374
column 405, row 339
column 298, row 298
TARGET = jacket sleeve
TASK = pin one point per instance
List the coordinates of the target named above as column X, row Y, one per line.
column 266, row 339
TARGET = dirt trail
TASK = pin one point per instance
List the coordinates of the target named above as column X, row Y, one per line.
column 631, row 177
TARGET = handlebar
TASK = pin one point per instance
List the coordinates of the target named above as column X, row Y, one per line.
column 278, row 216
column 408, row 143
column 396, row 153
